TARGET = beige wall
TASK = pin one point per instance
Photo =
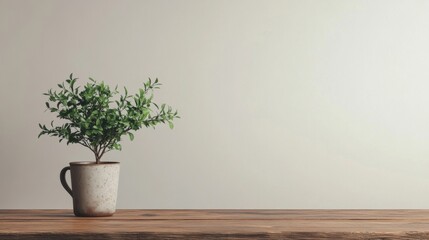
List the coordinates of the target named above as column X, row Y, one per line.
column 284, row 104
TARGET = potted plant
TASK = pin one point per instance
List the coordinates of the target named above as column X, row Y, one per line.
column 97, row 117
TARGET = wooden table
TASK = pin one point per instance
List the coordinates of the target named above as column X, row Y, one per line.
column 217, row 224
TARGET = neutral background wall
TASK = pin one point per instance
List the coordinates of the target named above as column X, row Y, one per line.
column 284, row 104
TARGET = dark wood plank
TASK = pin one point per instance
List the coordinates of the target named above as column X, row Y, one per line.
column 217, row 224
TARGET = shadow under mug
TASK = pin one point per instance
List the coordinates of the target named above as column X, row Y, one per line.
column 94, row 187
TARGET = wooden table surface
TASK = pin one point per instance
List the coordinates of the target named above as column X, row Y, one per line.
column 217, row 224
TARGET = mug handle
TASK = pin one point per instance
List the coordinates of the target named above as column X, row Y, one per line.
column 64, row 182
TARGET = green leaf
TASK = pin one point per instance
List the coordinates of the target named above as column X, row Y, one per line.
column 131, row 136
column 40, row 134
column 72, row 82
column 171, row 125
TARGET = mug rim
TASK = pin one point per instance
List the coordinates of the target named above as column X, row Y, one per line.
column 90, row 163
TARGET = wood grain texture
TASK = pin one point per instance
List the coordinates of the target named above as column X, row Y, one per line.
column 217, row 224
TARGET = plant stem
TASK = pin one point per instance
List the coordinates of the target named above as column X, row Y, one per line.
column 97, row 157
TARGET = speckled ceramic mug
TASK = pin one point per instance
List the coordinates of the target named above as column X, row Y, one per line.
column 95, row 187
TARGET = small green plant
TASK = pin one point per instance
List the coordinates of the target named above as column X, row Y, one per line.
column 95, row 117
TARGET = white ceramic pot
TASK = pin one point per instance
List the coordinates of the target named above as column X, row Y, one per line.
column 94, row 187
